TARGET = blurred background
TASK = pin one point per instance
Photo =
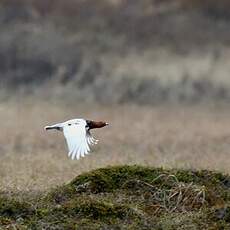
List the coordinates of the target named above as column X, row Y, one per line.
column 117, row 51
column 157, row 70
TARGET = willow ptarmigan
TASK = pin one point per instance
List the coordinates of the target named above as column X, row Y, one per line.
column 77, row 135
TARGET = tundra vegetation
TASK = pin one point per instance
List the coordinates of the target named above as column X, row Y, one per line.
column 126, row 197
column 158, row 72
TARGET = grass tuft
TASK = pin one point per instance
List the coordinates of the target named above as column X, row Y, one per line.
column 128, row 197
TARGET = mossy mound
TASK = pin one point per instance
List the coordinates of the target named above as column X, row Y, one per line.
column 127, row 197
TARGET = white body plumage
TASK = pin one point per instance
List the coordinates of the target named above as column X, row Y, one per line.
column 77, row 135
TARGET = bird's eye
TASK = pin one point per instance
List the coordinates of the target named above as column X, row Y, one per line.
column 69, row 124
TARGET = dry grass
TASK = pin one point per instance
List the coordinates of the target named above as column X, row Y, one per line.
column 184, row 137
column 126, row 197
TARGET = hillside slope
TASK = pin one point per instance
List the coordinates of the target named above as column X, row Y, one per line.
column 146, row 52
column 126, row 197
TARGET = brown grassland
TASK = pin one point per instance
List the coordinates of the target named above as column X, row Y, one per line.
column 192, row 137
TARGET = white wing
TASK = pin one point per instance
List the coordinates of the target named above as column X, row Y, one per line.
column 90, row 139
column 76, row 139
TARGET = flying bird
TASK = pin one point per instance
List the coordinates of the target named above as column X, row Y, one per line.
column 77, row 135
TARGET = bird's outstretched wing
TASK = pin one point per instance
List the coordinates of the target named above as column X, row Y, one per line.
column 78, row 140
column 90, row 139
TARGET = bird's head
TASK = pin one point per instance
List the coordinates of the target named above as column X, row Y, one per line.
column 96, row 124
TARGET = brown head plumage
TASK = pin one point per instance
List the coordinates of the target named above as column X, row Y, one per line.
column 96, row 124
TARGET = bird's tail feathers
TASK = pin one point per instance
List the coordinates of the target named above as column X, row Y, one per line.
column 57, row 127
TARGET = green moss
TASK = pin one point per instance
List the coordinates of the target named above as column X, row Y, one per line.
column 42, row 212
column 108, row 179
column 111, row 178
column 95, row 209
column 13, row 208
column 59, row 194
column 128, row 197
